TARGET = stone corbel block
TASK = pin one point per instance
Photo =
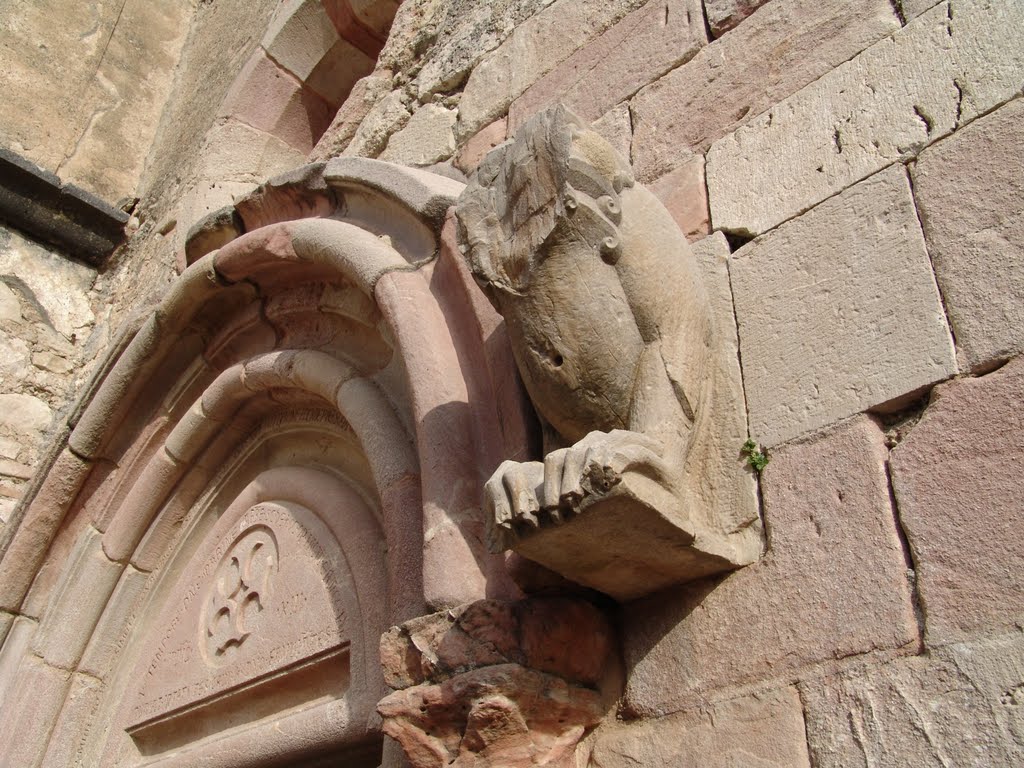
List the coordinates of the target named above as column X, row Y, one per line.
column 641, row 484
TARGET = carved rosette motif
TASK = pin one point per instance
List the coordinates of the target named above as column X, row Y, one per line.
column 240, row 592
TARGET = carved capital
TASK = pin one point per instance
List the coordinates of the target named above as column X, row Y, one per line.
column 495, row 684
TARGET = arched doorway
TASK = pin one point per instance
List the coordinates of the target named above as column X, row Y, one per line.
column 283, row 461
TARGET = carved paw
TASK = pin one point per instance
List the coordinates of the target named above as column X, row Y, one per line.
column 512, row 502
column 521, row 497
column 595, row 465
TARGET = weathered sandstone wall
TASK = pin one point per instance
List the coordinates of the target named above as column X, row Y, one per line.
column 851, row 174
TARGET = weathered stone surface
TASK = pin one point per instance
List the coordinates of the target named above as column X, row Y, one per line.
column 779, row 50
column 388, row 116
column 962, row 705
column 24, row 413
column 640, row 48
column 565, row 637
column 123, row 104
column 959, row 500
column 764, row 730
column 501, row 716
column 723, row 15
column 955, row 63
column 460, row 33
column 477, row 147
column 615, row 340
column 495, row 683
column 831, row 584
column 615, row 127
column 78, row 716
column 533, row 49
column 84, row 94
column 428, row 137
column 364, row 94
column 969, row 189
column 823, row 333
column 685, row 195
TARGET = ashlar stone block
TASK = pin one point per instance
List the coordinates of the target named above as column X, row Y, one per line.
column 832, row 583
column 969, row 189
column 957, row 483
column 764, row 730
column 962, row 705
column 945, row 68
column 782, row 48
column 536, row 47
column 641, row 47
column 838, row 311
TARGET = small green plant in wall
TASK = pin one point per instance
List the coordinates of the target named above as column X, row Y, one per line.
column 756, row 458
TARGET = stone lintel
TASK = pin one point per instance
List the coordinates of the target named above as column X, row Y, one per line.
column 37, row 202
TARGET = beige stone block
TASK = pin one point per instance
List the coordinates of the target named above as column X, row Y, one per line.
column 782, row 48
column 357, row 105
column 764, row 730
column 51, row 64
column 299, row 36
column 961, row 705
column 969, row 189
column 536, row 47
column 24, row 413
column 724, row 15
column 838, row 311
column 30, row 711
column 615, row 127
column 428, row 137
column 59, row 286
column 887, row 104
column 477, row 147
column 75, row 606
column 388, row 116
column 958, row 495
column 831, row 584
column 336, row 74
column 125, row 100
column 10, row 307
column 640, row 48
column 235, row 152
column 684, row 193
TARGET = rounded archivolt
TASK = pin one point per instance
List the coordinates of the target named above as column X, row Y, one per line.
column 343, row 368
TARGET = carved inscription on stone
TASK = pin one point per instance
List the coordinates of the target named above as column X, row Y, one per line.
column 263, row 596
column 241, row 590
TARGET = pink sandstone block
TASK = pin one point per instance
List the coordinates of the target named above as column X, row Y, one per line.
column 637, row 50
column 482, row 142
column 969, row 189
column 957, row 483
column 774, row 53
column 765, row 730
column 272, row 100
column 832, row 583
column 685, row 194
column 39, row 525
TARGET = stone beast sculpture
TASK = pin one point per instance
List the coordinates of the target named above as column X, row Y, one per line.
column 612, row 333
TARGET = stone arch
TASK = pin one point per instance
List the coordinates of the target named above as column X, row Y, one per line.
column 329, row 337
